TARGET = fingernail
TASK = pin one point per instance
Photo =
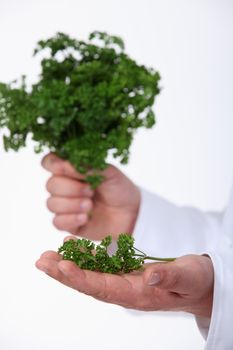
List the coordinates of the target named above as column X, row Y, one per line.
column 154, row 279
column 87, row 191
column 85, row 205
column 81, row 218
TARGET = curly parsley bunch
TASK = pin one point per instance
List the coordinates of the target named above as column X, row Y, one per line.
column 93, row 257
column 89, row 99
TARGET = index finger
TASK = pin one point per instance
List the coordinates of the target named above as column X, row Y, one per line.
column 103, row 286
column 58, row 166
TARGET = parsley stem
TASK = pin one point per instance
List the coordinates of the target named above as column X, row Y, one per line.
column 145, row 257
column 159, row 259
column 139, row 251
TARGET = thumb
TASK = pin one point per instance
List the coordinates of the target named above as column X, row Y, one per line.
column 164, row 275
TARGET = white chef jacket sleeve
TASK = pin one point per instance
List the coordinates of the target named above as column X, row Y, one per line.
column 219, row 334
column 164, row 229
column 218, row 331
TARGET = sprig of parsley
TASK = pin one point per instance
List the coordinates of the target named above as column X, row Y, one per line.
column 89, row 99
column 93, row 257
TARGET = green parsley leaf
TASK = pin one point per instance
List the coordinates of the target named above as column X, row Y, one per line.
column 90, row 98
column 93, row 257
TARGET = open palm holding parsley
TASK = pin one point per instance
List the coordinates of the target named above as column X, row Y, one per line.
column 184, row 284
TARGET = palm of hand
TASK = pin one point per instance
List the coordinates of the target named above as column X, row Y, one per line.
column 185, row 284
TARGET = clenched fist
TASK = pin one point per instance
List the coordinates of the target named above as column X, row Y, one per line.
column 111, row 209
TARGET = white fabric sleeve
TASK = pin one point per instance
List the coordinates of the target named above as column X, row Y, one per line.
column 219, row 334
column 218, row 331
column 166, row 230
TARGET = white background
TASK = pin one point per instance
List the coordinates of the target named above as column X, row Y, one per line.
column 186, row 158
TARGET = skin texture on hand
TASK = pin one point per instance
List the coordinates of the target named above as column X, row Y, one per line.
column 111, row 209
column 185, row 284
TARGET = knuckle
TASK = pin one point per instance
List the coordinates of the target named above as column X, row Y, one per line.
column 50, row 204
column 50, row 184
column 172, row 278
column 65, row 222
column 59, row 168
column 86, row 205
column 67, row 169
column 103, row 294
column 57, row 223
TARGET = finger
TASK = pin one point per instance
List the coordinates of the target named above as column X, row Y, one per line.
column 102, row 286
column 123, row 290
column 163, row 275
column 51, row 255
column 78, row 278
column 69, row 274
column 70, row 237
column 58, row 166
column 187, row 274
column 64, row 187
column 70, row 222
column 50, row 267
column 62, row 205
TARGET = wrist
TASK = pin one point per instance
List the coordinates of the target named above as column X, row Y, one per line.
column 203, row 305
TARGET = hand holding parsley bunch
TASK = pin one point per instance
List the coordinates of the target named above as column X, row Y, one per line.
column 90, row 98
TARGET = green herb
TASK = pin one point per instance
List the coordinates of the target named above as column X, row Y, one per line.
column 89, row 99
column 93, row 257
